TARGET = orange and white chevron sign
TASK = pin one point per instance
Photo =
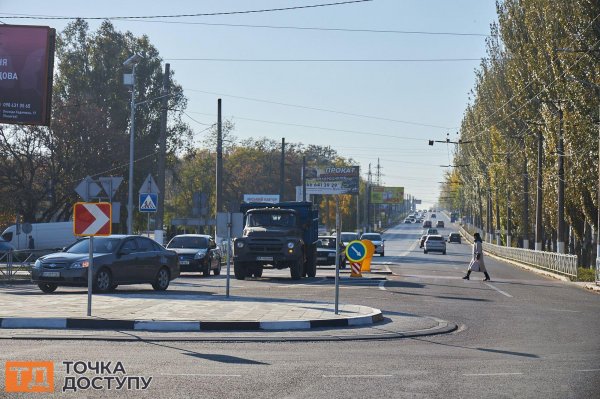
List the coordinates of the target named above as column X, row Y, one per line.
column 355, row 269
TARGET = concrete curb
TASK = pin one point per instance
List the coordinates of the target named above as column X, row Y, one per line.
column 184, row 325
column 443, row 327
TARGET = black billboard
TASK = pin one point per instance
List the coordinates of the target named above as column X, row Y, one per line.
column 26, row 68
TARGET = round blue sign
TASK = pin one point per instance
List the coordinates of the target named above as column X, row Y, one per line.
column 356, row 251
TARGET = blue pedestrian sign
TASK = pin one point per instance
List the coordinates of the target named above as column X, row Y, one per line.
column 356, row 251
column 148, row 202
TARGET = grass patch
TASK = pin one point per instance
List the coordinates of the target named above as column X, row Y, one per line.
column 586, row 274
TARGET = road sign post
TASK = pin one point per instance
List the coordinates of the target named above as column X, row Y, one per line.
column 92, row 219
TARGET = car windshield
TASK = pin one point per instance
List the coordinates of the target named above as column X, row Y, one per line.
column 326, row 243
column 102, row 245
column 188, row 242
column 435, row 238
column 348, row 237
column 372, row 237
column 260, row 219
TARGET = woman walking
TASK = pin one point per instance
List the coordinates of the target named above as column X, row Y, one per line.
column 477, row 264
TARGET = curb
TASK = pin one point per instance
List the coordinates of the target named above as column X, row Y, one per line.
column 183, row 326
column 443, row 327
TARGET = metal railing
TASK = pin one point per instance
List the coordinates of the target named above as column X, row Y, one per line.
column 551, row 261
column 16, row 265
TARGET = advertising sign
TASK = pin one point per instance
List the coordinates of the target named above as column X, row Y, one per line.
column 333, row 180
column 26, row 67
column 268, row 198
column 387, row 195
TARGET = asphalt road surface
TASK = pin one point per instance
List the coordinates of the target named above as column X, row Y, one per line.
column 520, row 335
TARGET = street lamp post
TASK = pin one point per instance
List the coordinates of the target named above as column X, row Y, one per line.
column 131, row 62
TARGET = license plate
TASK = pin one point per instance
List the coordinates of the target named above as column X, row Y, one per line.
column 50, row 274
column 184, row 262
column 264, row 258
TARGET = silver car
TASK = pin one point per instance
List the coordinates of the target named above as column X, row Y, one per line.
column 435, row 243
column 376, row 239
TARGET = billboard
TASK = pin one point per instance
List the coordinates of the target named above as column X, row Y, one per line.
column 387, row 195
column 26, row 67
column 269, row 198
column 333, row 180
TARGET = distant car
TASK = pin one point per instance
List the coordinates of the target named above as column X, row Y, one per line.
column 197, row 253
column 408, row 220
column 427, row 224
column 432, row 231
column 440, row 223
column 348, row 236
column 5, row 247
column 435, row 243
column 376, row 239
column 118, row 259
column 454, row 237
column 326, row 252
column 433, row 216
column 422, row 241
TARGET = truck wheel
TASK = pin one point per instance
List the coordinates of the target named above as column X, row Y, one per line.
column 239, row 269
column 296, row 269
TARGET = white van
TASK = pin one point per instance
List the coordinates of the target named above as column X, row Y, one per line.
column 45, row 236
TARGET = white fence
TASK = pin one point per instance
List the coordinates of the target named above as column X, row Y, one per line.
column 551, row 261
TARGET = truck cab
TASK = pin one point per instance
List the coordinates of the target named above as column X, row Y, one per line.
column 282, row 235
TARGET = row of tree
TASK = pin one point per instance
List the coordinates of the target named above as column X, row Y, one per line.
column 539, row 81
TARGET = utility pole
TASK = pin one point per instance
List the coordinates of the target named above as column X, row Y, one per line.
column 490, row 227
column 497, row 213
column 282, row 171
column 369, row 183
column 525, row 204
column 560, row 237
column 538, row 205
column 219, row 177
column 304, row 178
column 162, row 153
column 508, row 209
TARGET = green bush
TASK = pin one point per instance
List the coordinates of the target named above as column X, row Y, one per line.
column 585, row 274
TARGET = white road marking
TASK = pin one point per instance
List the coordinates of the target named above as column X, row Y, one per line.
column 382, row 285
column 490, row 374
column 499, row 290
column 359, row 376
column 588, row 371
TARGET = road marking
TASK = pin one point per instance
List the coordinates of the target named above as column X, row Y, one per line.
column 588, row 371
column 490, row 374
column 359, row 376
column 382, row 285
column 499, row 290
column 204, row 375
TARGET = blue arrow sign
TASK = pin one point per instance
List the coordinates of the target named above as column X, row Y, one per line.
column 148, row 202
column 356, row 251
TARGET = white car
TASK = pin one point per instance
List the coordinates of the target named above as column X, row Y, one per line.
column 435, row 243
column 376, row 239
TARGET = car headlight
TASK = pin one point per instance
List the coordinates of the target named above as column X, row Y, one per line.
column 80, row 264
column 37, row 264
column 290, row 245
column 239, row 244
column 200, row 255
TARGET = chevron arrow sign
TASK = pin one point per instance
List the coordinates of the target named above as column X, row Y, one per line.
column 92, row 219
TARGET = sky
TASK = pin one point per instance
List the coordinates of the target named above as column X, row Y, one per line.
column 384, row 110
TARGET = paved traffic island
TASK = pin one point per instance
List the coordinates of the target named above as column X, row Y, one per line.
column 176, row 312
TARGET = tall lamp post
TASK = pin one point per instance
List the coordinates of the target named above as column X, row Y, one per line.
column 130, row 80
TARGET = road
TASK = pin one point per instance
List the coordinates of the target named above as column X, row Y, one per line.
column 521, row 335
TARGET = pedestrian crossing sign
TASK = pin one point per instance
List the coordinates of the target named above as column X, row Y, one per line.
column 148, row 202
